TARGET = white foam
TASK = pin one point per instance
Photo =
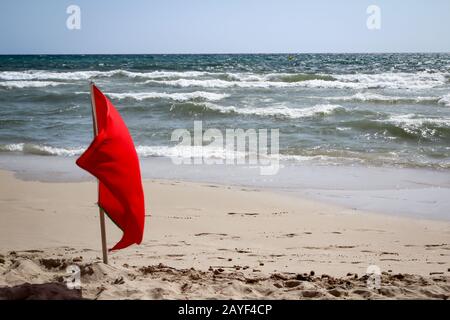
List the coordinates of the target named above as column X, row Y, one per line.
column 321, row 159
column 41, row 149
column 420, row 80
column 218, row 83
column 320, row 109
column 368, row 96
column 210, row 152
column 278, row 77
column 50, row 75
column 208, row 83
column 187, row 152
column 144, row 151
column 85, row 75
column 316, row 83
column 412, row 124
column 29, row 84
column 413, row 120
column 178, row 96
column 445, row 100
column 248, row 76
column 166, row 74
column 390, row 80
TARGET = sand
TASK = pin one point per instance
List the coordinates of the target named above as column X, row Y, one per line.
column 214, row 241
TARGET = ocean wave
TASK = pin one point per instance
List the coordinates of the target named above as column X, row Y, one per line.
column 281, row 77
column 282, row 112
column 317, row 155
column 213, row 152
column 422, row 127
column 418, row 80
column 218, row 83
column 379, row 98
column 178, row 151
column 327, row 156
column 142, row 150
column 43, row 150
column 167, row 74
column 177, row 96
column 303, row 77
column 341, row 82
column 214, row 83
column 51, row 75
column 28, row 84
column 90, row 74
column 414, row 120
column 445, row 100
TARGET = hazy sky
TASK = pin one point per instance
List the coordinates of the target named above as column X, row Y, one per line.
column 223, row 26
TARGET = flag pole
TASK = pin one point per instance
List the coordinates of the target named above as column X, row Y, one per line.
column 101, row 212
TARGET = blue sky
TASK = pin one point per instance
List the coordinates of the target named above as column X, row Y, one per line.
column 223, row 26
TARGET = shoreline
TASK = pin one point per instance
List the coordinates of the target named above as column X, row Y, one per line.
column 397, row 191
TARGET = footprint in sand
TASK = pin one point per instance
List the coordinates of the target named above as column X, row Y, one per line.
column 242, row 251
column 290, row 235
column 243, row 213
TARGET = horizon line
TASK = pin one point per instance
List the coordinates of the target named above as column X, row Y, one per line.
column 226, row 53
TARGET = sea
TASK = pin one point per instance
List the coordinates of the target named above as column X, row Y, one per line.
column 369, row 131
column 370, row 109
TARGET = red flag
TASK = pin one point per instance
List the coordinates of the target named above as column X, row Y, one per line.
column 112, row 158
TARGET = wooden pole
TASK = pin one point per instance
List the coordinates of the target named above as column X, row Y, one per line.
column 101, row 212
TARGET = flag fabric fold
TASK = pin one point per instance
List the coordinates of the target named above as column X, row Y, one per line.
column 112, row 159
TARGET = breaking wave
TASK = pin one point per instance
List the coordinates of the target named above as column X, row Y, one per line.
column 318, row 156
column 30, row 148
column 445, row 100
column 29, row 84
column 418, row 80
column 143, row 151
column 86, row 75
column 181, row 96
column 360, row 81
column 422, row 127
column 280, row 112
column 379, row 98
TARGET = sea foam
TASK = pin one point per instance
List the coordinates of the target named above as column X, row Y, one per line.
column 177, row 96
column 281, row 111
column 30, row 148
column 28, row 84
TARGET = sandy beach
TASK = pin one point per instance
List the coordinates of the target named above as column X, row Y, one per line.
column 238, row 150
column 214, row 241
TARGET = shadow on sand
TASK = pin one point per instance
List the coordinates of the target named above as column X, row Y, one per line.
column 45, row 291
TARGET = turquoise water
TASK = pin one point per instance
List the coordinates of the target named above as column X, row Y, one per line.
column 369, row 109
